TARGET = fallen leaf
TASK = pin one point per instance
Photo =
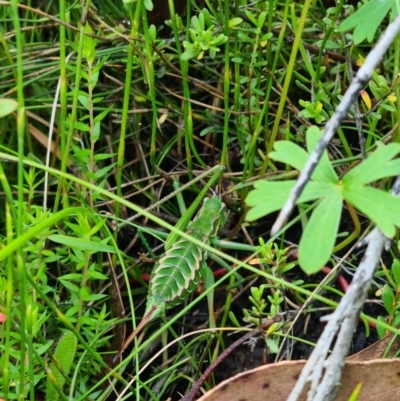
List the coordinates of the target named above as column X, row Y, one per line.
column 379, row 378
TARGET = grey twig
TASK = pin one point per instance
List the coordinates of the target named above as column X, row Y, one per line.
column 363, row 76
column 344, row 320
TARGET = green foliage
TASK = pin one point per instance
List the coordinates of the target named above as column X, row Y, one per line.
column 124, row 104
column 63, row 358
column 205, row 37
column 313, row 110
column 7, row 106
column 319, row 236
column 390, row 294
column 368, row 18
column 274, row 258
column 258, row 313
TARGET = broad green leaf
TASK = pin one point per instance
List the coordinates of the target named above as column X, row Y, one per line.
column 380, row 207
column 315, row 190
column 270, row 196
column 324, row 172
column 289, row 153
column 7, row 106
column 81, row 243
column 378, row 165
column 267, row 197
column 367, row 19
column 319, row 236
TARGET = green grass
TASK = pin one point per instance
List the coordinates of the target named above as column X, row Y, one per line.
column 101, row 107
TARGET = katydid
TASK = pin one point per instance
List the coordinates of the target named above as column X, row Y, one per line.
column 177, row 274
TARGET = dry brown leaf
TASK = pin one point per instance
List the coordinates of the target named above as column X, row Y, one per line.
column 380, row 381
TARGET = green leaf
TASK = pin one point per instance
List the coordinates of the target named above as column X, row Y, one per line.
column 380, row 207
column 7, row 106
column 319, row 236
column 388, row 299
column 289, row 153
column 103, row 171
column 148, row 4
column 95, row 275
column 377, row 166
column 396, row 271
column 93, row 297
column 367, row 19
column 103, row 114
column 81, row 243
column 245, row 38
column 189, row 54
column 96, row 131
column 81, row 126
column 84, row 99
column 233, row 319
column 267, row 197
column 64, row 356
column 70, row 286
column 71, row 276
column 270, row 196
column 381, row 330
column 272, row 345
column 251, row 17
column 234, row 22
column 324, row 172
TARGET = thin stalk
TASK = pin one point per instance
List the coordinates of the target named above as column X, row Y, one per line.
column 151, row 85
column 9, row 302
column 237, row 89
column 187, row 106
column 265, row 109
column 65, row 152
column 396, row 62
column 227, row 73
column 126, row 103
column 21, row 270
column 286, row 85
column 64, row 79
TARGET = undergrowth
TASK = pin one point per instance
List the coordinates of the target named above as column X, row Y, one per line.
column 101, row 110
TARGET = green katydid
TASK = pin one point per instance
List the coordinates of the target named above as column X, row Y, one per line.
column 177, row 273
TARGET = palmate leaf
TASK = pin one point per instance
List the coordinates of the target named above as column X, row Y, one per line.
column 270, row 196
column 368, row 18
column 378, row 165
column 324, row 172
column 318, row 238
column 289, row 153
column 381, row 207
